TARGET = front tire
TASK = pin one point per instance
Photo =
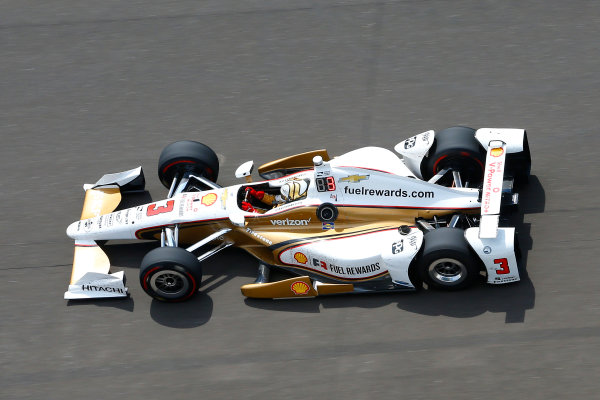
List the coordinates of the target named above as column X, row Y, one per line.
column 170, row 274
column 447, row 262
column 187, row 156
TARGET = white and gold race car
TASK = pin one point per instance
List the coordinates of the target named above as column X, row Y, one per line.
column 364, row 221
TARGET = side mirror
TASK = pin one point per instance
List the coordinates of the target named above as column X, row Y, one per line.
column 245, row 170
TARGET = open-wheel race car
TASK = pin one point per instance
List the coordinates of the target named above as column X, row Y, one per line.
column 364, row 221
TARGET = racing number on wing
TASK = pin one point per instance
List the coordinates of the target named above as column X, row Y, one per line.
column 153, row 209
column 503, row 263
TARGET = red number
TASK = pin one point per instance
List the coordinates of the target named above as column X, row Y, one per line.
column 153, row 209
column 504, row 268
column 330, row 184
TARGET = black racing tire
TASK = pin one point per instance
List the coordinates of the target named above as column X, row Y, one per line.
column 187, row 155
column 170, row 274
column 447, row 263
column 458, row 149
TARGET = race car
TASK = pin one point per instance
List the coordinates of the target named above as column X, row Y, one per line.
column 364, row 221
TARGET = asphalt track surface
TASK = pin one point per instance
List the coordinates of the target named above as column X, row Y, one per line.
column 90, row 87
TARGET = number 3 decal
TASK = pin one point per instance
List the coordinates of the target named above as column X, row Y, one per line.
column 504, row 268
column 153, row 209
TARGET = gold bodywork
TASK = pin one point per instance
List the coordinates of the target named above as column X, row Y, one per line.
column 100, row 201
column 88, row 259
column 297, row 161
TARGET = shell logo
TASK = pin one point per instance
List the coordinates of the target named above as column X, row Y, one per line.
column 209, row 199
column 299, row 288
column 301, row 258
column 497, row 151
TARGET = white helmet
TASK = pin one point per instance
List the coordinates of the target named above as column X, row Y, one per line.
column 294, row 190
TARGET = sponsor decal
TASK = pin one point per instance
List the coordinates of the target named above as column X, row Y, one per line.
column 118, row 217
column 259, row 236
column 87, row 225
column 354, row 178
column 109, row 220
column 493, row 168
column 139, row 212
column 290, row 222
column 505, row 279
column 224, row 199
column 363, row 191
column 209, row 199
column 361, row 270
column 333, row 196
column 100, row 221
column 425, row 137
column 92, row 288
column 182, row 204
column 299, row 288
column 328, row 225
column 397, row 247
column 318, row 263
column 323, row 173
column 497, row 152
column 301, row 258
column 413, row 241
column 78, row 226
column 410, row 142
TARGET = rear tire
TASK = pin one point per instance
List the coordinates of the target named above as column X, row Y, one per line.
column 455, row 148
column 170, row 274
column 187, row 156
column 447, row 262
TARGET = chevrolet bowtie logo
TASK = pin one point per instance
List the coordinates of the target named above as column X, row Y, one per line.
column 354, row 178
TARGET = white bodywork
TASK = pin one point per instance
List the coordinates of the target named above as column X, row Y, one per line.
column 497, row 254
column 361, row 257
column 414, row 149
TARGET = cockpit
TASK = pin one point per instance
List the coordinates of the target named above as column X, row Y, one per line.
column 266, row 196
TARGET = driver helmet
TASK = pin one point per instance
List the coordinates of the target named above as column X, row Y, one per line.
column 294, row 190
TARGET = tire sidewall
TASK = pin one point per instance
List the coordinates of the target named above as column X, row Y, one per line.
column 447, row 243
column 429, row 259
column 174, row 259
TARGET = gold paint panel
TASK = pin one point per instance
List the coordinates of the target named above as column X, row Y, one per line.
column 334, row 288
column 88, row 259
column 100, row 201
column 280, row 289
column 303, row 160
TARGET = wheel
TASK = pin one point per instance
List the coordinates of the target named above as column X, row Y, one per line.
column 455, row 148
column 447, row 262
column 187, row 155
column 170, row 274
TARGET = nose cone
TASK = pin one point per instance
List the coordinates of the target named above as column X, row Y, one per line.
column 72, row 229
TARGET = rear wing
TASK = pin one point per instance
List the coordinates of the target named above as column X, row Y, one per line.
column 90, row 276
column 495, row 246
column 491, row 195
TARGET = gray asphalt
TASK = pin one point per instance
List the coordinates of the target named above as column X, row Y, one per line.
column 90, row 87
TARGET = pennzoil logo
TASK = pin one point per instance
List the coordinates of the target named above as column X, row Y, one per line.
column 299, row 288
column 354, row 178
column 497, row 151
column 209, row 199
column 301, row 258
